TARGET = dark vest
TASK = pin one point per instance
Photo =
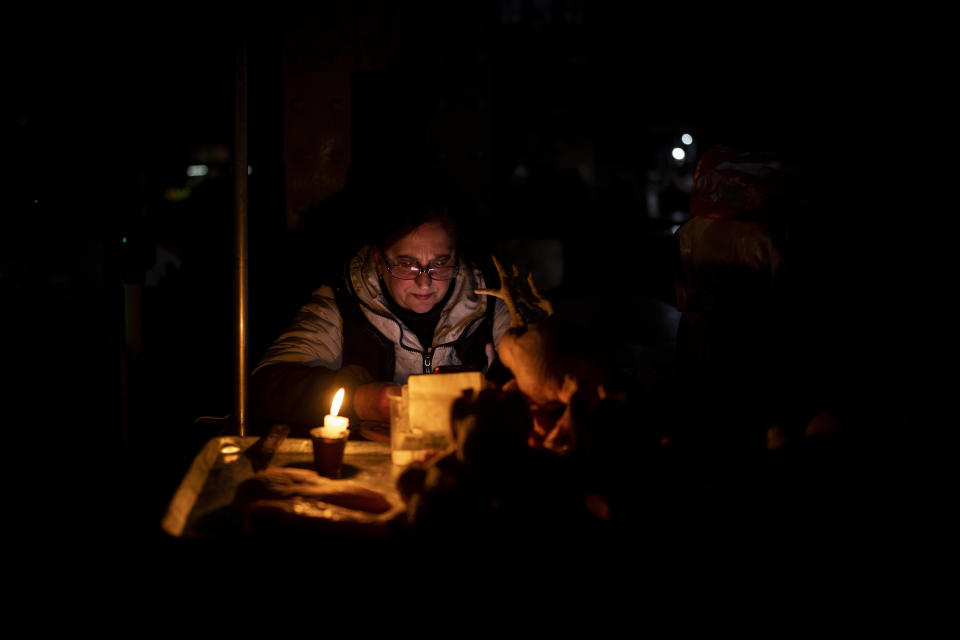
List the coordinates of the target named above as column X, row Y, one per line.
column 363, row 345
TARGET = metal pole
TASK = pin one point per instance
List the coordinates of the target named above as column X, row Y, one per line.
column 240, row 165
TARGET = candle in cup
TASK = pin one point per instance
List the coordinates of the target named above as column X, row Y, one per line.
column 334, row 426
column 330, row 440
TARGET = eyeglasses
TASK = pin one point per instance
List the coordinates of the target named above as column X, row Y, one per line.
column 413, row 271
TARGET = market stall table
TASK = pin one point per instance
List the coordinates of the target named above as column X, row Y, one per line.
column 205, row 507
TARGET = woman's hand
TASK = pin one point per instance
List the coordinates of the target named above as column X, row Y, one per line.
column 370, row 401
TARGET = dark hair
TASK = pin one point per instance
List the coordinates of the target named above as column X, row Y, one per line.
column 392, row 205
column 410, row 211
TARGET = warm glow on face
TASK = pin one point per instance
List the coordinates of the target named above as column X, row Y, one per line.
column 423, row 246
column 337, row 401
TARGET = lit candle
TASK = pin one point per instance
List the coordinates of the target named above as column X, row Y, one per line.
column 334, row 426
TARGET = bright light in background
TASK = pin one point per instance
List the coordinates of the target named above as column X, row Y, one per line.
column 678, row 153
column 687, row 139
column 200, row 170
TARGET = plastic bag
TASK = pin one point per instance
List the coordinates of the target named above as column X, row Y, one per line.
column 731, row 183
column 725, row 262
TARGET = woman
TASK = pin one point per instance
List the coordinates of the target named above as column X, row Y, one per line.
column 406, row 306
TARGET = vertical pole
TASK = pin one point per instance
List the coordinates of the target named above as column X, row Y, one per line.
column 240, row 164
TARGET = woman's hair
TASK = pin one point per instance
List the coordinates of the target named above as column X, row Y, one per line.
column 400, row 221
column 391, row 206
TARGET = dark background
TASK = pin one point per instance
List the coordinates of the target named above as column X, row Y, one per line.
column 555, row 118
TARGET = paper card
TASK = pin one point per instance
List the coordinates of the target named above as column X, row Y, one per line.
column 432, row 396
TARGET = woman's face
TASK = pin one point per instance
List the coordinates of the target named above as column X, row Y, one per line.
column 429, row 245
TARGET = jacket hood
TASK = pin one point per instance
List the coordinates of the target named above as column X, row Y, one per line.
column 463, row 307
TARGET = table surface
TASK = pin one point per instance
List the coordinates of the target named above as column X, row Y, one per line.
column 209, row 486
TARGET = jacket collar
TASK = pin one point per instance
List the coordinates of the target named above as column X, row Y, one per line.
column 462, row 309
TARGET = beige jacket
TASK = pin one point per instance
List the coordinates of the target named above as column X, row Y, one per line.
column 315, row 338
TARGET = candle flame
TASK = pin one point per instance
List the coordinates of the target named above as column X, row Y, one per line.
column 337, row 401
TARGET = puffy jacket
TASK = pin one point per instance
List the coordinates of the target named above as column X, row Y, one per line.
column 316, row 338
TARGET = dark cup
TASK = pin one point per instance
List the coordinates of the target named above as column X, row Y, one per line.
column 328, row 454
